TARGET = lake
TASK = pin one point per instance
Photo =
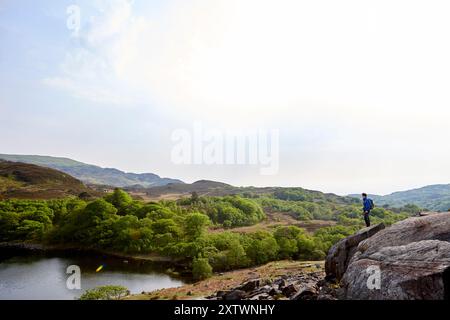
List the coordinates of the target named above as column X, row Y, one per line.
column 32, row 276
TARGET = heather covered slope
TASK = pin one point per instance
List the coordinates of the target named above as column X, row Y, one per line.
column 92, row 174
column 28, row 181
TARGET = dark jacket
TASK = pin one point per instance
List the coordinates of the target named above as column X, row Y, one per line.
column 367, row 204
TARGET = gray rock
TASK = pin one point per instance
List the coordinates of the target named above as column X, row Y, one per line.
column 325, row 297
column 289, row 290
column 262, row 290
column 221, row 293
column 249, row 285
column 340, row 254
column 234, row 295
column 432, row 227
column 427, row 213
column 281, row 283
column 274, row 292
column 412, row 259
column 266, row 288
column 306, row 292
column 414, row 271
column 262, row 296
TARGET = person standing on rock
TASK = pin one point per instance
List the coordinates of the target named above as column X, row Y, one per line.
column 367, row 207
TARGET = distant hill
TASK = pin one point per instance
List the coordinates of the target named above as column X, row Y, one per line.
column 214, row 188
column 28, row 181
column 202, row 187
column 92, row 174
column 434, row 197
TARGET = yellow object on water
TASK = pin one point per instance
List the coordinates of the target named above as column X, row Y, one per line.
column 99, row 269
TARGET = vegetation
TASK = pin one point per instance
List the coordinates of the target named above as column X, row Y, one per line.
column 201, row 269
column 105, row 293
column 178, row 229
column 229, row 211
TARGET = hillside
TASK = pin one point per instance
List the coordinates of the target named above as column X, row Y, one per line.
column 178, row 190
column 28, row 181
column 217, row 189
column 92, row 174
column 432, row 197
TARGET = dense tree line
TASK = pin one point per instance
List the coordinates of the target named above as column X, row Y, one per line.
column 178, row 229
column 229, row 211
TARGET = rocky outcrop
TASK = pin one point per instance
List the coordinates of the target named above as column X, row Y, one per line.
column 293, row 287
column 408, row 260
column 409, row 272
column 340, row 254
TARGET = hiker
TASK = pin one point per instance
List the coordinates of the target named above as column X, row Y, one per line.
column 367, row 206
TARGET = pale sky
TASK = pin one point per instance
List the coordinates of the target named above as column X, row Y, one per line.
column 359, row 90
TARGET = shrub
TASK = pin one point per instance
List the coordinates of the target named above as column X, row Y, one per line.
column 201, row 269
column 105, row 293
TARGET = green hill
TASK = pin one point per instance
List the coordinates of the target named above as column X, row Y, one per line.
column 28, row 181
column 219, row 189
column 92, row 174
column 433, row 197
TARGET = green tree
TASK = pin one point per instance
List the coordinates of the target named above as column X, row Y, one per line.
column 194, row 197
column 109, row 292
column 306, row 247
column 201, row 269
column 287, row 239
column 119, row 199
column 9, row 221
column 195, row 225
column 262, row 247
column 30, row 229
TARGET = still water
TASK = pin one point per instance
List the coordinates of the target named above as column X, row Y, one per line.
column 43, row 276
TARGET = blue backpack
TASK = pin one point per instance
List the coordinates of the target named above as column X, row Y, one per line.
column 372, row 205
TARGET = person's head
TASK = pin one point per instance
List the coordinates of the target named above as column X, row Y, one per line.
column 364, row 195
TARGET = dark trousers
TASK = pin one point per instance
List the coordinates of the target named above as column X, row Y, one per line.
column 366, row 218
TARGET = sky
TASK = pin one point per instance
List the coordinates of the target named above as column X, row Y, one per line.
column 355, row 94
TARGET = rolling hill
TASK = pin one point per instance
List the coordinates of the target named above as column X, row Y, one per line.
column 214, row 188
column 28, row 181
column 92, row 174
column 433, row 197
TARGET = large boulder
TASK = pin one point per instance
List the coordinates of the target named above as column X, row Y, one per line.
column 340, row 254
column 430, row 227
column 409, row 272
column 409, row 260
column 249, row 285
